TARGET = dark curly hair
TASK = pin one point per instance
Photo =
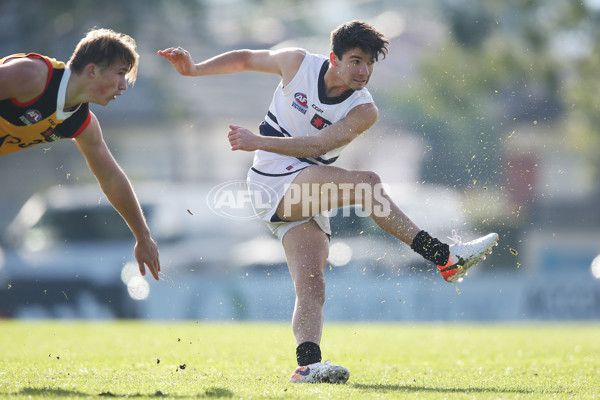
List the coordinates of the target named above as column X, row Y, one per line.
column 359, row 34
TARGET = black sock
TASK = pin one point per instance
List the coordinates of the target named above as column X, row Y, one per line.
column 308, row 353
column 430, row 248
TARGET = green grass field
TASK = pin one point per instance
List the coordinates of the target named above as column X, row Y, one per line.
column 73, row 359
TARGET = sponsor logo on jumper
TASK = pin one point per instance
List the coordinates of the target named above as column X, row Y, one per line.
column 292, row 165
column 319, row 122
column 50, row 135
column 9, row 139
column 300, row 102
column 317, row 109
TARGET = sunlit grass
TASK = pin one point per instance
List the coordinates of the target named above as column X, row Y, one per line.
column 71, row 359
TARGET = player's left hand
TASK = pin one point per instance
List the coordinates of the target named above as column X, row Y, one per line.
column 146, row 255
column 241, row 138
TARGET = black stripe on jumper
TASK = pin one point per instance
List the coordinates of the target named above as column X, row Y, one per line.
column 276, row 175
column 267, row 130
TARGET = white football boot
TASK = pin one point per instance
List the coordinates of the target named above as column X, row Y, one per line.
column 464, row 255
column 320, row 373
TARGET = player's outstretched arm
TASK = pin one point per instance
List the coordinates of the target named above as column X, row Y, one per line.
column 283, row 62
column 118, row 190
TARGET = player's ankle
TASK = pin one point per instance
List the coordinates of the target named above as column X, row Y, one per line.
column 430, row 248
column 308, row 353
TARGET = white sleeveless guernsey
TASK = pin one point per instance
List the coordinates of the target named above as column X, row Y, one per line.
column 302, row 108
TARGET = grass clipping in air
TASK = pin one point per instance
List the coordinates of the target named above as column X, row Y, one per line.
column 56, row 359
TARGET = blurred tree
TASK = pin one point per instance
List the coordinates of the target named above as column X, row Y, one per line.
column 470, row 22
column 582, row 82
column 505, row 64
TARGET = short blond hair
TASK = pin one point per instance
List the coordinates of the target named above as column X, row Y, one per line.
column 104, row 47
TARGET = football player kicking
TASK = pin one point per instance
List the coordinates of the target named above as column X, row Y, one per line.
column 320, row 106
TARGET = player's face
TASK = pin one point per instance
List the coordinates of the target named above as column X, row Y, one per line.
column 109, row 83
column 355, row 68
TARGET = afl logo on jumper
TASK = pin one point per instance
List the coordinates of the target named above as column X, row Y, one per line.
column 33, row 115
column 301, row 102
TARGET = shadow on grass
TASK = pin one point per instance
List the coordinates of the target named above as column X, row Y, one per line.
column 416, row 388
column 212, row 393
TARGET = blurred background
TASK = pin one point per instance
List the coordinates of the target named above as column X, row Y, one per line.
column 488, row 122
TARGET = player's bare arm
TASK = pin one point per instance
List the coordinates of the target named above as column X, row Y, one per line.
column 118, row 190
column 283, row 62
column 22, row 79
column 358, row 120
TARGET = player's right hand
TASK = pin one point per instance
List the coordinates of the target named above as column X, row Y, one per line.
column 180, row 58
column 241, row 138
column 146, row 254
